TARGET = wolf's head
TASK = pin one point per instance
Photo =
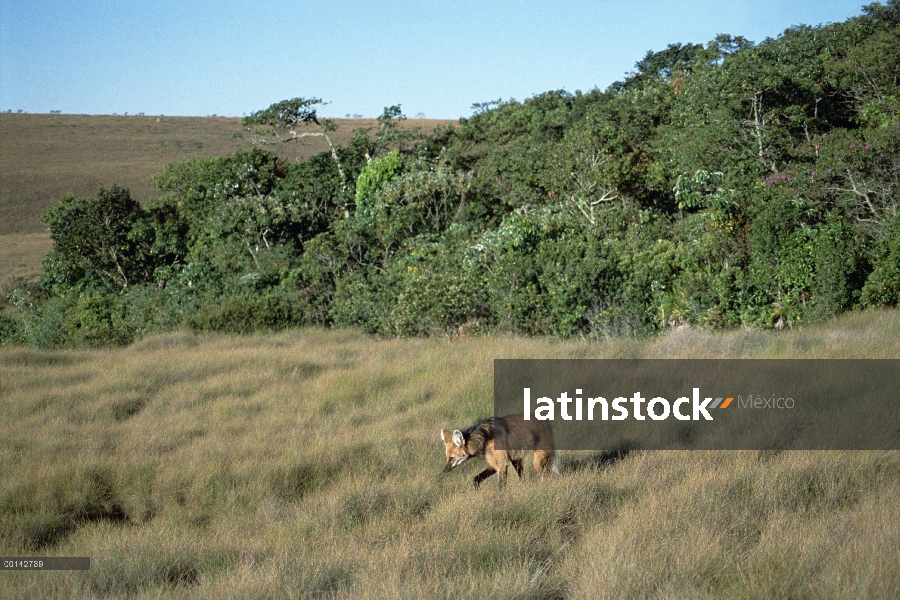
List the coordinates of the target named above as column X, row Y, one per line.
column 455, row 445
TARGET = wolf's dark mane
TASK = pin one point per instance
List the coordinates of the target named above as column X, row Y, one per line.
column 488, row 422
column 477, row 435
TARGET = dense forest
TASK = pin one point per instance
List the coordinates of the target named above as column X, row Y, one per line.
column 719, row 185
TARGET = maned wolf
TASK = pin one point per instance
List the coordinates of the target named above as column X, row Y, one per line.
column 478, row 440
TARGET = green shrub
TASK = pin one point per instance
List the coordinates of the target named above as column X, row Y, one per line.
column 9, row 330
column 363, row 300
column 373, row 177
column 248, row 313
column 96, row 320
column 882, row 287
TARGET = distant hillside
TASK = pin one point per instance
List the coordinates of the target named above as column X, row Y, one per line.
column 44, row 156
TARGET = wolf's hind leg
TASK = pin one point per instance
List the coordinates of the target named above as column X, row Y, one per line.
column 483, row 475
column 543, row 460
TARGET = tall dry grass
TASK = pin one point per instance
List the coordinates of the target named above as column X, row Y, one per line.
column 308, row 464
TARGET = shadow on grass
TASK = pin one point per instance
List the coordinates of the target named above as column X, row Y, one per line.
column 598, row 461
column 128, row 407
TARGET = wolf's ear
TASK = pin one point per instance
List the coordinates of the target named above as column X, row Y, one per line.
column 445, row 436
column 458, row 439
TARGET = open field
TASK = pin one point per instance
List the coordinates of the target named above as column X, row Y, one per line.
column 308, row 463
column 43, row 157
column 20, row 256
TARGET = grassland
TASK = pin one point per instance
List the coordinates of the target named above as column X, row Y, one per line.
column 43, row 157
column 20, row 257
column 308, row 464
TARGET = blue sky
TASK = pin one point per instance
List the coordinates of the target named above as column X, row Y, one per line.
column 437, row 57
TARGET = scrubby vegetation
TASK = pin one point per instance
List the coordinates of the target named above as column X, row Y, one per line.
column 308, row 464
column 718, row 185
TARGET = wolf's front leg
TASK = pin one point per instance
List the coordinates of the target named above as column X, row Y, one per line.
column 501, row 473
column 483, row 475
